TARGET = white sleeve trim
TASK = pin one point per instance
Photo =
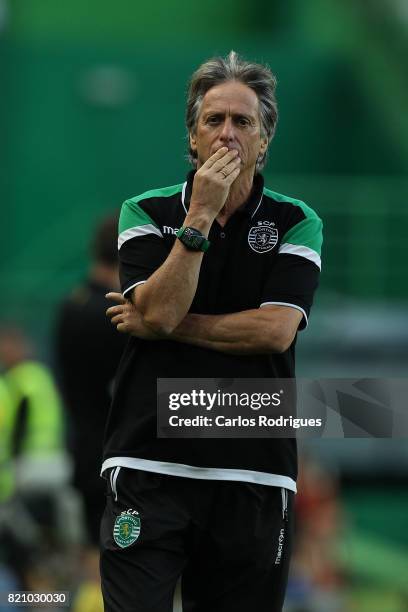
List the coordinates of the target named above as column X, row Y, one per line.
column 302, row 251
column 135, row 232
column 183, row 196
column 290, row 306
column 132, row 287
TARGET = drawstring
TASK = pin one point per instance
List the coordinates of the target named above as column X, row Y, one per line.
column 113, row 478
column 284, row 494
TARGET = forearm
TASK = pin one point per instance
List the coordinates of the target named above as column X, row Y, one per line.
column 166, row 297
column 241, row 333
column 257, row 331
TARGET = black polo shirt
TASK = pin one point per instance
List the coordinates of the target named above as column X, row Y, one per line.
column 267, row 253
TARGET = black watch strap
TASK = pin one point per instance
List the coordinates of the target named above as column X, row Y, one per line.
column 193, row 239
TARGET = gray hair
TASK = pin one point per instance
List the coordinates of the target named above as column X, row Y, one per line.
column 232, row 68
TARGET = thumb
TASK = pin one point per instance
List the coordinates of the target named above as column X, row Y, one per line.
column 115, row 297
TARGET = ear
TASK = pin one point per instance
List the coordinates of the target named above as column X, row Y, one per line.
column 193, row 141
column 264, row 145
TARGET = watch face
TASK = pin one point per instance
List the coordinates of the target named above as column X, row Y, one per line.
column 196, row 241
column 190, row 233
column 192, row 238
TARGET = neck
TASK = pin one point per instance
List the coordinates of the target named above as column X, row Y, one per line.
column 238, row 194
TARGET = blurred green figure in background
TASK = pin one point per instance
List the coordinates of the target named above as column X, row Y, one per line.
column 6, row 472
column 36, row 418
column 33, row 463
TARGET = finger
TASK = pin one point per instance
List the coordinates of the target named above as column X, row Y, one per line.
column 112, row 310
column 226, row 170
column 225, row 160
column 233, row 175
column 113, row 296
column 217, row 155
column 122, row 328
column 117, row 319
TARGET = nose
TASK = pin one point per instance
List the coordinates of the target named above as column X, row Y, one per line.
column 227, row 132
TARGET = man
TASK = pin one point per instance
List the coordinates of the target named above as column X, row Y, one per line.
column 36, row 466
column 219, row 512
column 36, row 416
column 88, row 352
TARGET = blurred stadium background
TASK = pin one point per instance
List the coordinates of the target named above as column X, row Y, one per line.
column 92, row 112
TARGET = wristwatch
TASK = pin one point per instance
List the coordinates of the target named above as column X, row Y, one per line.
column 193, row 239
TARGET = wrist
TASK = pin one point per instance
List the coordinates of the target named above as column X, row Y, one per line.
column 200, row 220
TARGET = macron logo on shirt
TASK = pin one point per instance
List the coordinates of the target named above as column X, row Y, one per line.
column 170, row 230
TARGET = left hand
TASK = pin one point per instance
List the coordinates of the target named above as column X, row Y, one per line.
column 127, row 319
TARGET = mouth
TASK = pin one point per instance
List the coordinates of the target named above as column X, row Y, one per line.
column 229, row 149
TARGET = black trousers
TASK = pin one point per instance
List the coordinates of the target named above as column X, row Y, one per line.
column 230, row 542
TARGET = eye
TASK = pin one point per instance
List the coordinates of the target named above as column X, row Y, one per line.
column 213, row 119
column 243, row 121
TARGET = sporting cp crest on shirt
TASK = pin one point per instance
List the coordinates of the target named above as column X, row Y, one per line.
column 263, row 237
column 126, row 529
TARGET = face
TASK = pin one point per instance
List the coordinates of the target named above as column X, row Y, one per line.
column 12, row 348
column 229, row 117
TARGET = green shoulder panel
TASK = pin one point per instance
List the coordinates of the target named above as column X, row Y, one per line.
column 133, row 214
column 307, row 232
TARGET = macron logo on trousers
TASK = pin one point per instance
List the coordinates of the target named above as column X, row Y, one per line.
column 280, row 546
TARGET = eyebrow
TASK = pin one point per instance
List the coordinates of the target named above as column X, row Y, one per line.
column 222, row 114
